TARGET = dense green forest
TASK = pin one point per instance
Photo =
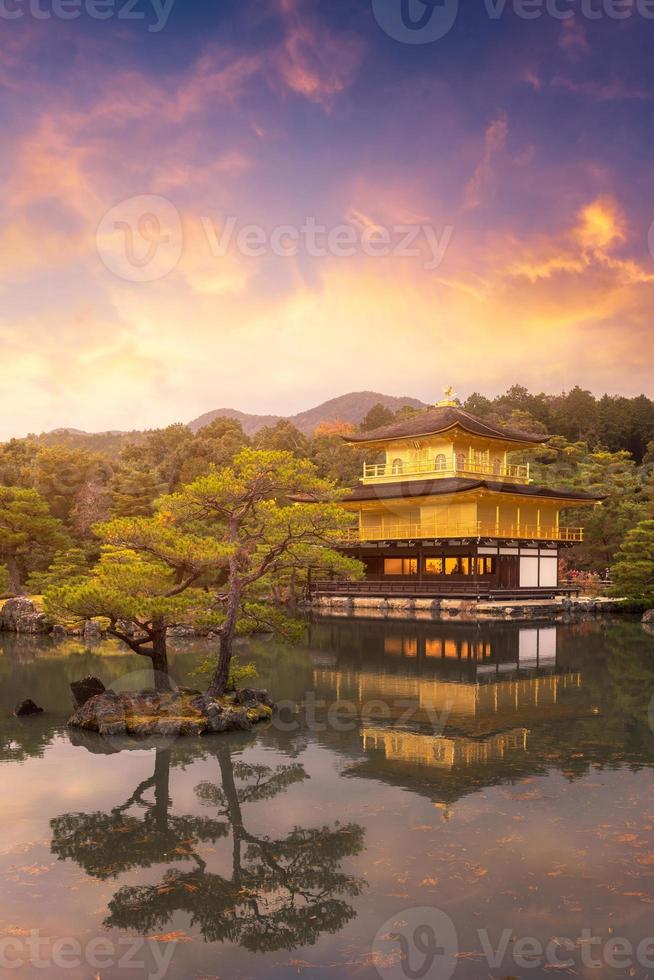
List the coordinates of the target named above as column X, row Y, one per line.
column 55, row 487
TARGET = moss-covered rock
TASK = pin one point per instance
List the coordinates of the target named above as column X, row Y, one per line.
column 182, row 712
column 22, row 615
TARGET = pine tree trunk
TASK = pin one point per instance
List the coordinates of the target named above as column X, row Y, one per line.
column 219, row 680
column 235, row 816
column 160, row 658
column 14, row 576
column 161, row 789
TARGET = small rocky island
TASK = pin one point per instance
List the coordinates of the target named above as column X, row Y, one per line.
column 183, row 711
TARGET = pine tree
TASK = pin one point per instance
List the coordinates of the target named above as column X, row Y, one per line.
column 633, row 572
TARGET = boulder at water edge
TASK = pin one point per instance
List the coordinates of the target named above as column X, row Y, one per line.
column 86, row 688
column 182, row 712
column 20, row 615
column 27, row 707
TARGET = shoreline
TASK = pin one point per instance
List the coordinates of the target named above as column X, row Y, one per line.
column 440, row 610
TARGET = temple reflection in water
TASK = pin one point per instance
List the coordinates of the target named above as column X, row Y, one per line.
column 441, row 700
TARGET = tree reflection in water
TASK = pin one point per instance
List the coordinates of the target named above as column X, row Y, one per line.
column 281, row 893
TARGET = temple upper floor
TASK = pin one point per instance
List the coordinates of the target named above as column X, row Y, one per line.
column 444, row 441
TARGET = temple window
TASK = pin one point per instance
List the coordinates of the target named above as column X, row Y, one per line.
column 433, row 566
column 397, row 466
column 400, row 566
column 485, row 566
column 440, row 463
column 497, row 466
column 460, row 461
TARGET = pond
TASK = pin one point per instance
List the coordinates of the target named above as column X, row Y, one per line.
column 433, row 800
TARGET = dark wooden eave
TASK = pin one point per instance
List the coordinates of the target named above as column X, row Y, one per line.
column 440, row 419
column 406, row 489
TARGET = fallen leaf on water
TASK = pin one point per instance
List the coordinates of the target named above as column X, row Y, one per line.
column 171, row 937
column 428, row 882
column 34, row 869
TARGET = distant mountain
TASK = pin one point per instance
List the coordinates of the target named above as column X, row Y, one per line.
column 352, row 407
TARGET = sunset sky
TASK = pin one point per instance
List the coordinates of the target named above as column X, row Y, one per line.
column 523, row 145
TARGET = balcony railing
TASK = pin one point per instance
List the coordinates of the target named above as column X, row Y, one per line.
column 448, row 466
column 407, row 530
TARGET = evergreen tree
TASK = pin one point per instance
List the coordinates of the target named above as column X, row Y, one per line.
column 147, row 580
column 633, row 571
column 133, row 493
column 67, row 568
column 283, row 436
column 256, row 508
column 378, row 416
column 29, row 534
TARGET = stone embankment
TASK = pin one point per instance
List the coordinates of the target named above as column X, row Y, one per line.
column 23, row 615
column 438, row 608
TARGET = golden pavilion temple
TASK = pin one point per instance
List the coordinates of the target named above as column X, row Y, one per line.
column 443, row 509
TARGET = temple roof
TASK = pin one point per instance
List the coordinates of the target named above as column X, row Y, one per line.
column 455, row 484
column 439, row 419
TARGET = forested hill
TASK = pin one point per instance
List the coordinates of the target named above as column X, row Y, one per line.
column 352, row 408
column 69, row 480
column 612, row 421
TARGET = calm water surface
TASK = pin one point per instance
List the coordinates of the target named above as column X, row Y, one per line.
column 499, row 773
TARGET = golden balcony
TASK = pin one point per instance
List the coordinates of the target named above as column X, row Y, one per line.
column 406, row 530
column 443, row 466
